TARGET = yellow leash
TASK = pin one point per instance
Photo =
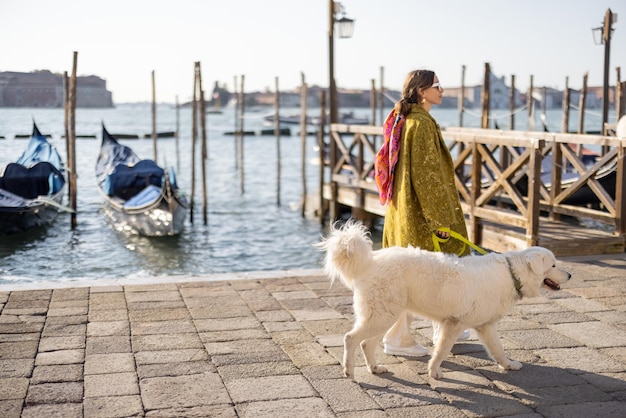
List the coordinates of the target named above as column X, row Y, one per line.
column 465, row 241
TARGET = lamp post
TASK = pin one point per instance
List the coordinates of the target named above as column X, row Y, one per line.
column 602, row 36
column 345, row 27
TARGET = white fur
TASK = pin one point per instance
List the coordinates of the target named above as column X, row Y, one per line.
column 459, row 292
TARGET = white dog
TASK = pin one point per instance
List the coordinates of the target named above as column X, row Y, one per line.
column 458, row 292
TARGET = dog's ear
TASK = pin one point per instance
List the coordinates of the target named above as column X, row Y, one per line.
column 535, row 261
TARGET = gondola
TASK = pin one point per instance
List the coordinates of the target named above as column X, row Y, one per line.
column 139, row 196
column 31, row 189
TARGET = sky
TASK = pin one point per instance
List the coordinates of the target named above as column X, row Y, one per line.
column 264, row 40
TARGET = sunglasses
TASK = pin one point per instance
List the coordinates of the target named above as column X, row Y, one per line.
column 437, row 85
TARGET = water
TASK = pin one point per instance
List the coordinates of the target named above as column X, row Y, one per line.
column 245, row 232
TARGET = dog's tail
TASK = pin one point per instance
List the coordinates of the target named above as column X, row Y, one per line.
column 348, row 252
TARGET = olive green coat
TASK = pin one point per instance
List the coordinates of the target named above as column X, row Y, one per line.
column 425, row 197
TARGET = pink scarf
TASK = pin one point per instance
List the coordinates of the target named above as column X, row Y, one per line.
column 387, row 156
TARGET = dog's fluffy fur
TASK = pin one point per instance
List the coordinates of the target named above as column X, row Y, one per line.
column 458, row 292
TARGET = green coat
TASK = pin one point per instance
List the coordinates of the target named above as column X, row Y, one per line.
column 424, row 194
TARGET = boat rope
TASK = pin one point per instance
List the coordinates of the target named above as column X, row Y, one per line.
column 50, row 202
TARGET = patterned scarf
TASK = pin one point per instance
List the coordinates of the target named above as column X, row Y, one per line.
column 387, row 156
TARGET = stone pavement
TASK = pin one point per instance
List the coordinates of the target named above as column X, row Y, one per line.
column 271, row 347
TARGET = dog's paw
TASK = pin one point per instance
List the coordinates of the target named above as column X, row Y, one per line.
column 348, row 373
column 511, row 365
column 435, row 373
column 378, row 369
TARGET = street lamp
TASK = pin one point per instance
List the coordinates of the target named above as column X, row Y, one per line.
column 345, row 28
column 602, row 36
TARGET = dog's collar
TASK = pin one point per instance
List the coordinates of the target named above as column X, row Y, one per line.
column 516, row 280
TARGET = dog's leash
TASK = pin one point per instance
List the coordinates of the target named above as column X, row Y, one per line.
column 465, row 241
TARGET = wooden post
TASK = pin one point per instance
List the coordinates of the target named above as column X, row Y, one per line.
column 72, row 140
column 382, row 97
column 241, row 113
column 461, row 96
column 303, row 132
column 544, row 96
column 619, row 94
column 566, row 107
column 512, row 104
column 205, row 150
column 531, row 106
column 373, row 104
column 277, row 133
column 474, row 221
column 66, row 106
column 154, row 135
column 534, row 197
column 485, row 97
column 322, row 155
column 194, row 138
column 177, row 135
column 236, row 119
column 620, row 191
column 201, row 109
column 581, row 105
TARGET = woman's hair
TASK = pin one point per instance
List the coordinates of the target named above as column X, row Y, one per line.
column 415, row 80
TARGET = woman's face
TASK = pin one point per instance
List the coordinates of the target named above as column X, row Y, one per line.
column 434, row 93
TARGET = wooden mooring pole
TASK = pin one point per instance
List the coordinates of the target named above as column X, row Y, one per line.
column 322, row 155
column 485, row 97
column 277, row 133
column 205, row 150
column 240, row 137
column 303, row 133
column 154, row 134
column 72, row 140
column 194, row 138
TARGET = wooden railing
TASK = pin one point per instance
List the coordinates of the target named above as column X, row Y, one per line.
column 503, row 177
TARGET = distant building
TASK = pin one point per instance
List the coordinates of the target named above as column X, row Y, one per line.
column 45, row 89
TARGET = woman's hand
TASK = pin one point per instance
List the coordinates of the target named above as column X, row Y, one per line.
column 443, row 233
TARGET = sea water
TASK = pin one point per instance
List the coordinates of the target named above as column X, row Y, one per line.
column 254, row 218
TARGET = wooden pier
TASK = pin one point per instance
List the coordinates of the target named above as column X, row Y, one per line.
column 507, row 202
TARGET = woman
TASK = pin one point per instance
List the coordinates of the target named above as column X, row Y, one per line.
column 415, row 176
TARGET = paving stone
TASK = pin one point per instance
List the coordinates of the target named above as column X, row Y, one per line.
column 108, row 328
column 145, row 315
column 65, row 410
column 269, row 388
column 20, row 349
column 184, row 391
column 16, row 367
column 580, row 359
column 62, row 343
column 170, row 356
column 108, row 344
column 113, row 406
column 300, row 407
column 593, row 334
column 165, row 342
column 13, row 388
column 60, row 357
column 11, row 408
column 162, row 327
column 113, row 384
column 108, row 315
column 273, row 368
column 51, row 393
column 175, row 369
column 109, row 363
column 57, row 374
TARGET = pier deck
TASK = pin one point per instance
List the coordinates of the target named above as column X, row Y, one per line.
column 502, row 184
